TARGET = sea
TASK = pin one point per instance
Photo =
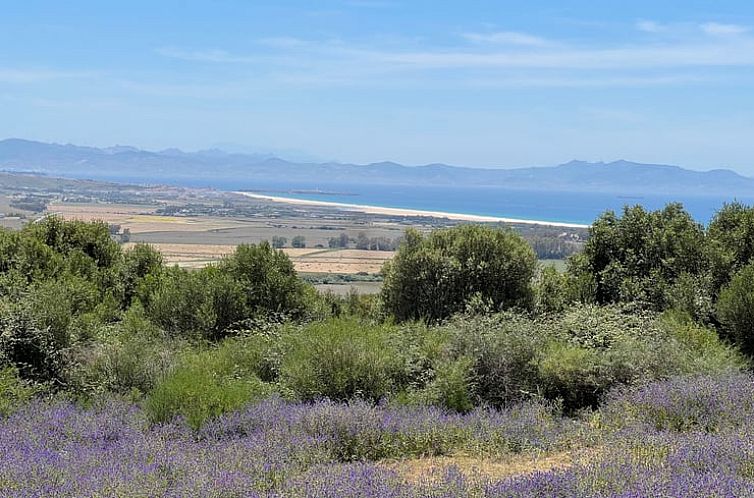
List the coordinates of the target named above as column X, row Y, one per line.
column 554, row 206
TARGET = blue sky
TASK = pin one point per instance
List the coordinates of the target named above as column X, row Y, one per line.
column 478, row 83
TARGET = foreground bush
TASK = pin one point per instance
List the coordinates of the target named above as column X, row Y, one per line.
column 735, row 308
column 14, row 392
column 341, row 360
column 434, row 276
column 580, row 355
column 201, row 387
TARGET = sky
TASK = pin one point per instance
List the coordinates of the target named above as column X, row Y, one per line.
column 473, row 83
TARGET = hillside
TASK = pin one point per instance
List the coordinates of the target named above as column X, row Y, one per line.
column 622, row 177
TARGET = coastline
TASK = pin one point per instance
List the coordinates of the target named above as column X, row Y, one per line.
column 408, row 212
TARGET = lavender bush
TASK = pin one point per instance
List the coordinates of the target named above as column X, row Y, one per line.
column 276, row 448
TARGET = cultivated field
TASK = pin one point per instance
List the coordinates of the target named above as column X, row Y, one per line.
column 309, row 260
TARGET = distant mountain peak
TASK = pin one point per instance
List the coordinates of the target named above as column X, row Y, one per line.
column 217, row 166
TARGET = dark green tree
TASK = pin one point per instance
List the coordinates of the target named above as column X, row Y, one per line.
column 299, row 242
column 735, row 308
column 436, row 276
column 638, row 256
column 267, row 277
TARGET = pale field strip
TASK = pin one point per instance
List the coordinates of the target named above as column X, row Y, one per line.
column 310, row 260
column 141, row 219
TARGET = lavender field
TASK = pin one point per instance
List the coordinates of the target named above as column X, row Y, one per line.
column 683, row 437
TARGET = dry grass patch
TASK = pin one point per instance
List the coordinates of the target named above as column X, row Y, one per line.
column 423, row 469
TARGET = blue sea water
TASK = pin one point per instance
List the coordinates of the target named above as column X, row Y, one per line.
column 556, row 206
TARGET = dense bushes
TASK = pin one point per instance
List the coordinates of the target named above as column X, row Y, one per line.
column 639, row 255
column 63, row 284
column 436, row 276
column 202, row 386
column 573, row 358
column 341, row 360
column 735, row 308
column 78, row 314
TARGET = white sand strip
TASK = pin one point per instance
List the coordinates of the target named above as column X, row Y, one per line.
column 408, row 212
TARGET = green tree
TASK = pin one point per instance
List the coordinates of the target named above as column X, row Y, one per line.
column 205, row 302
column 638, row 256
column 267, row 277
column 731, row 235
column 92, row 238
column 735, row 308
column 436, row 276
column 138, row 262
column 279, row 242
column 299, row 242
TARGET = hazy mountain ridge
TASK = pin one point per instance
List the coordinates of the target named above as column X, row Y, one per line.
column 174, row 165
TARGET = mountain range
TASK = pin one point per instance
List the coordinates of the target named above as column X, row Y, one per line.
column 215, row 166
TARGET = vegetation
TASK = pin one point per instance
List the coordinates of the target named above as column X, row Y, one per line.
column 472, row 348
column 435, row 276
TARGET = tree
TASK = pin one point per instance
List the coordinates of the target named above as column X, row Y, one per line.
column 638, row 256
column 299, row 242
column 436, row 276
column 731, row 237
column 63, row 236
column 340, row 241
column 138, row 262
column 184, row 303
column 279, row 242
column 267, row 277
column 735, row 308
column 362, row 241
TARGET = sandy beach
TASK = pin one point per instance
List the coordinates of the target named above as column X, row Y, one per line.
column 408, row 212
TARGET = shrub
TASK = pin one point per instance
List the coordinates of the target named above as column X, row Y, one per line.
column 130, row 365
column 37, row 353
column 267, row 279
column 435, row 276
column 138, row 262
column 202, row 386
column 570, row 373
column 577, row 356
column 342, row 359
column 451, row 386
column 551, row 292
column 731, row 237
column 735, row 308
column 14, row 392
column 205, row 302
column 66, row 236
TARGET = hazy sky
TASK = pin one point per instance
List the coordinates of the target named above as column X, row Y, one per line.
column 486, row 83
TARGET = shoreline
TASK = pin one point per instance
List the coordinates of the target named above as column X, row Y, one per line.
column 408, row 212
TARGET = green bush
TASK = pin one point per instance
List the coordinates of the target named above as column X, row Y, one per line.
column 735, row 308
column 638, row 256
column 551, row 291
column 203, row 386
column 205, row 302
column 14, row 392
column 138, row 262
column 39, row 354
column 435, row 276
column 451, row 386
column 267, row 279
column 578, row 355
column 342, row 359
